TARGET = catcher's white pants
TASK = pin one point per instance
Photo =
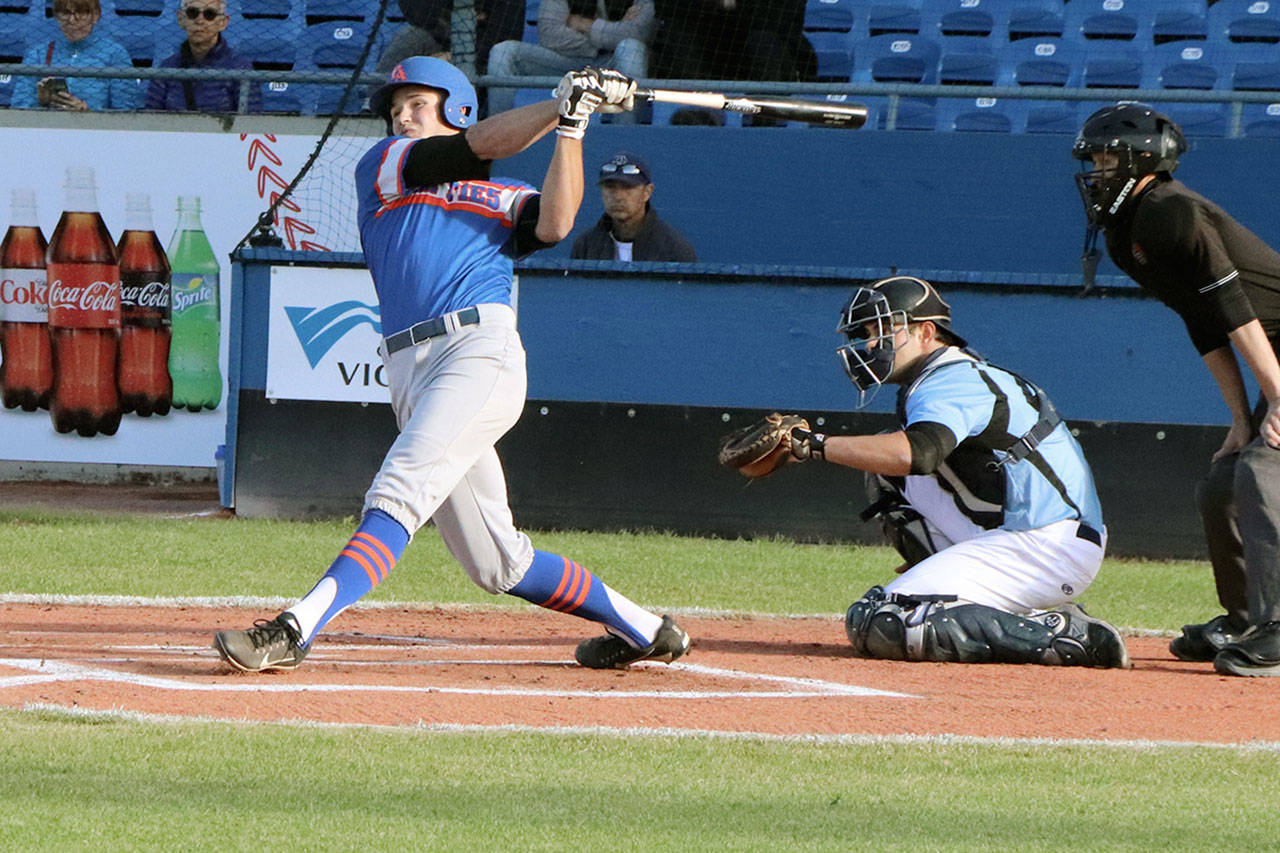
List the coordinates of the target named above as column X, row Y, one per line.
column 454, row 396
column 1018, row 571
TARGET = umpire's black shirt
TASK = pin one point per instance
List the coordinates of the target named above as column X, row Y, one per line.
column 1190, row 254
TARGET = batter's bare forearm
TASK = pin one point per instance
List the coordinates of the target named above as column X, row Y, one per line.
column 561, row 191
column 507, row 134
column 888, row 454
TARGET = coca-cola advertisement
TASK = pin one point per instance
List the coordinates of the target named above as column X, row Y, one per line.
column 115, row 281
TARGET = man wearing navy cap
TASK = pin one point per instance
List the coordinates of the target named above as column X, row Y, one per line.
column 630, row 229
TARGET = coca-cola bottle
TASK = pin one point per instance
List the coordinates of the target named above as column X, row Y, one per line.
column 84, row 313
column 26, row 367
column 145, row 386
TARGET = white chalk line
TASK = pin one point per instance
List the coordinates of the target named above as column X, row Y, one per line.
column 667, row 732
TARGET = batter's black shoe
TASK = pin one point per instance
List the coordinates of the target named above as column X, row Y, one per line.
column 1203, row 642
column 269, row 644
column 610, row 652
column 1257, row 653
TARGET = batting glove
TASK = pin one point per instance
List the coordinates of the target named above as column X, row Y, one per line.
column 619, row 91
column 577, row 96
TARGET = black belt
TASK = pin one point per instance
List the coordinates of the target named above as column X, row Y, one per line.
column 427, row 329
column 1087, row 533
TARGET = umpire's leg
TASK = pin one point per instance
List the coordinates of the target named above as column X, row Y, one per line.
column 1257, row 491
column 1216, row 499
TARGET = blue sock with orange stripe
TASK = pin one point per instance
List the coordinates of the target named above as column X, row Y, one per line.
column 365, row 561
column 558, row 583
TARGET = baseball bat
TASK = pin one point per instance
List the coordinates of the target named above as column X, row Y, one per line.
column 812, row 112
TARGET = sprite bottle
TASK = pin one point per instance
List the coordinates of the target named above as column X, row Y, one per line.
column 193, row 352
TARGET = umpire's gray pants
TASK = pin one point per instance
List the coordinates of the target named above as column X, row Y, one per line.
column 1240, row 505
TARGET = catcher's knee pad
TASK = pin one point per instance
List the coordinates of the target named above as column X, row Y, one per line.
column 857, row 619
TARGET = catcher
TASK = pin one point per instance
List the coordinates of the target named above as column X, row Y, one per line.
column 985, row 490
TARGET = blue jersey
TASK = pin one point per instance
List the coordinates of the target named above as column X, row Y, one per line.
column 432, row 250
column 986, row 408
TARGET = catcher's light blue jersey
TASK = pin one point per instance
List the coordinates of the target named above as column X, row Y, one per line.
column 432, row 250
column 983, row 405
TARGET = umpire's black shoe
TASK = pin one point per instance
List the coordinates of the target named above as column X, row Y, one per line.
column 1257, row 653
column 610, row 652
column 1203, row 642
column 269, row 644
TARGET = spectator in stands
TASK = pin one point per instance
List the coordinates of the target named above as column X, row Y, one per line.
column 573, row 34
column 732, row 40
column 204, row 22
column 630, row 229
column 427, row 30
column 77, row 44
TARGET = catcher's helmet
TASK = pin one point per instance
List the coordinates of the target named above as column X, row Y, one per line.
column 460, row 104
column 1144, row 141
column 870, row 319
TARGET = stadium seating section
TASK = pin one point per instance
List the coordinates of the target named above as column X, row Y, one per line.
column 1208, row 45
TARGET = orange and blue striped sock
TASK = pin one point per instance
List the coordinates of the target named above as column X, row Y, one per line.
column 558, row 583
column 364, row 563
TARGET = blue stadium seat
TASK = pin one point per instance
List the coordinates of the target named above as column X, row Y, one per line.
column 13, row 46
column 147, row 40
column 269, row 44
column 981, row 115
column 1188, row 65
column 965, row 18
column 834, row 50
column 1184, row 20
column 1245, row 21
column 1110, row 20
column 1260, row 120
column 896, row 58
column 320, row 11
column 841, row 16
column 142, row 8
column 893, row 17
column 1035, row 19
column 907, row 114
column 1255, row 66
column 337, row 45
column 968, row 60
column 1052, row 117
column 287, row 98
column 1042, row 62
column 271, row 9
column 1198, row 119
column 1116, row 66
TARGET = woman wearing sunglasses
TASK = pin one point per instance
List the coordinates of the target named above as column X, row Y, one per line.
column 77, row 43
column 204, row 22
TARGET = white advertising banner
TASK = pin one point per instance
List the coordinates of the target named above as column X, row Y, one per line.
column 235, row 177
column 323, row 338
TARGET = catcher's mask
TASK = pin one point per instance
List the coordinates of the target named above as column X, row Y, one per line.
column 871, row 320
column 1143, row 141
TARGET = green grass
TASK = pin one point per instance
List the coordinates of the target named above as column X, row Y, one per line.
column 70, row 782
column 42, row 553
column 78, row 784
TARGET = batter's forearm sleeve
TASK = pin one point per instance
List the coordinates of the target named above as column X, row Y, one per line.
column 931, row 443
column 441, row 160
column 526, row 230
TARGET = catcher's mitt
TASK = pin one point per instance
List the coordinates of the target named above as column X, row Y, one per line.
column 760, row 449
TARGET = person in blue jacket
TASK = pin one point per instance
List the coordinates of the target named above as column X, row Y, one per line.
column 78, row 44
column 204, row 22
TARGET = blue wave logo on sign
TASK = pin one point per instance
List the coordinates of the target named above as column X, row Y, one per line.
column 318, row 329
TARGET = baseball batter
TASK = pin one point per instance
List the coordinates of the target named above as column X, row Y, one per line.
column 440, row 236
column 1225, row 284
column 987, row 492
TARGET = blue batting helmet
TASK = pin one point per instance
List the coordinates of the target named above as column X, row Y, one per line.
column 460, row 102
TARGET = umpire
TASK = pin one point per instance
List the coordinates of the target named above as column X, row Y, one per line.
column 1225, row 284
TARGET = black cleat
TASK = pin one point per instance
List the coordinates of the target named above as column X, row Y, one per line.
column 611, row 652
